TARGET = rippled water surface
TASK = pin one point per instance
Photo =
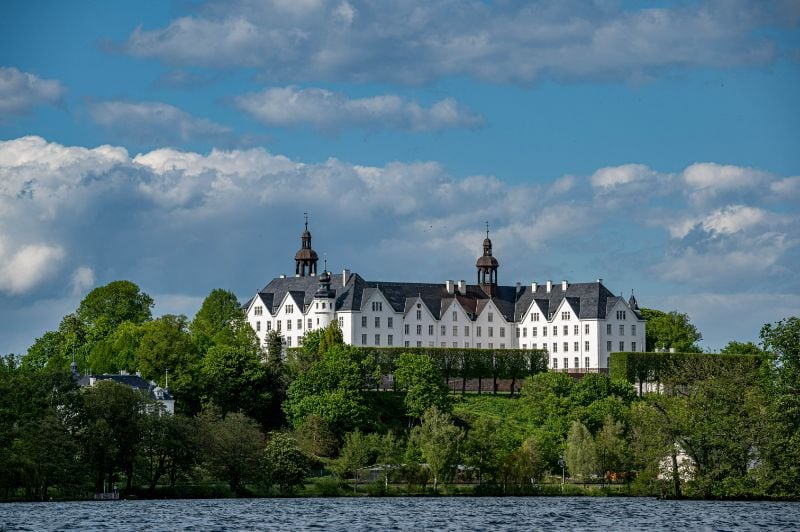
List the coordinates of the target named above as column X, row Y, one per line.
column 485, row 513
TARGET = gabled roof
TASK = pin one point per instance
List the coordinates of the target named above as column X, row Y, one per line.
column 133, row 381
column 588, row 300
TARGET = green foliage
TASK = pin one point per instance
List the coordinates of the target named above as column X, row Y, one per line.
column 423, row 384
column 667, row 330
column 114, row 303
column 274, row 342
column 741, row 348
column 234, row 447
column 610, row 447
column 437, row 440
column 331, row 338
column 217, row 319
column 580, row 455
column 284, row 464
column 358, row 451
column 117, row 351
column 316, row 437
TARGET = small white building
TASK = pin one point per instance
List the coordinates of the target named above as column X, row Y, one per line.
column 135, row 382
column 579, row 324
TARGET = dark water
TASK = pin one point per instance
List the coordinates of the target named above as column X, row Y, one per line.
column 486, row 513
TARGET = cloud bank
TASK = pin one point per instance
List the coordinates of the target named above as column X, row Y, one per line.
column 20, row 92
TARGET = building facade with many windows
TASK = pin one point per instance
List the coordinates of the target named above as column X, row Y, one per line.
column 579, row 324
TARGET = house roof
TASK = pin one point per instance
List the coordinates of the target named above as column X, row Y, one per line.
column 151, row 389
column 587, row 300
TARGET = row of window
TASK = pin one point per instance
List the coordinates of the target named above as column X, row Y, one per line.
column 610, row 328
column 576, row 363
column 389, row 322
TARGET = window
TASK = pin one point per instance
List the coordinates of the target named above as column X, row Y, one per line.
column 518, row 331
column 534, row 331
column 288, row 325
column 259, row 310
column 533, row 345
column 323, row 305
column 363, row 321
column 576, row 330
column 502, row 332
column 502, row 346
column 608, row 328
column 586, row 362
column 633, row 330
column 363, row 339
column 491, row 345
column 555, row 363
column 576, row 347
column 311, row 323
column 455, row 316
column 300, row 324
column 478, row 331
column 419, row 314
column 586, row 345
column 566, row 347
column 405, row 329
column 443, row 330
column 377, row 322
column 466, row 330
column 466, row 344
column 566, row 363
column 577, row 362
column 620, row 314
column 455, row 330
column 269, row 325
column 419, row 344
column 608, row 346
column 430, row 330
column 586, row 329
column 565, row 315
column 535, row 316
column 377, row 306
column 544, row 331
column 317, row 322
column 491, row 317
column 555, row 347
column 455, row 344
column 289, row 309
column 419, row 329
column 390, row 322
column 341, row 322
column 377, row 339
column 478, row 345
column 566, row 330
column 555, row 330
column 622, row 346
column 633, row 346
column 622, row 330
column 258, row 326
column 405, row 343
column 288, row 341
column 524, row 332
column 491, row 332
column 390, row 340
column 443, row 344
column 278, row 323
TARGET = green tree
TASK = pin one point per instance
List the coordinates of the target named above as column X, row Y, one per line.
column 423, row 384
column 580, row 455
column 741, row 348
column 331, row 337
column 234, row 447
column 170, row 447
column 358, row 451
column 670, row 330
column 284, row 464
column 115, row 303
column 274, row 342
column 316, row 437
column 390, row 450
column 217, row 319
column 437, row 439
column 117, row 351
column 482, row 448
column 610, row 448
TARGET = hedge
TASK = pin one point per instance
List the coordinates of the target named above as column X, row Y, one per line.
column 658, row 367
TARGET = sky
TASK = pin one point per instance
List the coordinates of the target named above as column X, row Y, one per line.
column 655, row 145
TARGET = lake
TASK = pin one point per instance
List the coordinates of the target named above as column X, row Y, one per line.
column 403, row 513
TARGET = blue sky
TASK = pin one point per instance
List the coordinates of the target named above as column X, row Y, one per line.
column 655, row 145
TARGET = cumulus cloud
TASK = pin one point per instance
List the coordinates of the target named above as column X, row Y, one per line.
column 154, row 123
column 500, row 42
column 83, row 278
column 708, row 181
column 329, row 111
column 23, row 268
column 21, row 91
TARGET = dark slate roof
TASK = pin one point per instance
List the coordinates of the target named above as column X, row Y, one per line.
column 587, row 300
column 134, row 381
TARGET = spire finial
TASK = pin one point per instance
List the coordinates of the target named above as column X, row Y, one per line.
column 325, row 261
column 487, row 229
column 305, row 215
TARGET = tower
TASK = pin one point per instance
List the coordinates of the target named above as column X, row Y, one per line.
column 487, row 267
column 305, row 259
column 324, row 300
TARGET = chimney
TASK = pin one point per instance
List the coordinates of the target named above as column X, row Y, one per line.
column 599, row 280
column 449, row 285
column 519, row 286
column 534, row 286
column 282, row 276
column 549, row 286
column 345, row 276
column 462, row 287
column 564, row 285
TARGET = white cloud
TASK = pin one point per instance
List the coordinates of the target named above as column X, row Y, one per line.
column 21, row 91
column 154, row 123
column 499, row 42
column 709, row 181
column 23, row 268
column 614, row 176
column 787, row 188
column 329, row 111
column 83, row 278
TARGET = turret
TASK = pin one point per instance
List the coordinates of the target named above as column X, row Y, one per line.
column 324, row 300
column 487, row 267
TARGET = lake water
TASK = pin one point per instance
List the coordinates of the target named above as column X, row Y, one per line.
column 462, row 513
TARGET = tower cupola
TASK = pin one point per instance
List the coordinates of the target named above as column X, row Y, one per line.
column 306, row 258
column 487, row 267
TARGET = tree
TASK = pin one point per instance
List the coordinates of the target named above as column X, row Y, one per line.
column 115, row 303
column 170, row 446
column 482, row 448
column 423, row 384
column 667, row 330
column 316, row 437
column 610, row 447
column 437, row 439
column 117, row 351
column 741, row 348
column 274, row 342
column 331, row 337
column 580, row 455
column 390, row 449
column 217, row 319
column 357, row 452
column 284, row 464
column 234, row 447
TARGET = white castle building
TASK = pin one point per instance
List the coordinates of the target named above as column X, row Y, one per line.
column 579, row 324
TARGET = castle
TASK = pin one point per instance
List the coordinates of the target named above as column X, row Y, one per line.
column 579, row 324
